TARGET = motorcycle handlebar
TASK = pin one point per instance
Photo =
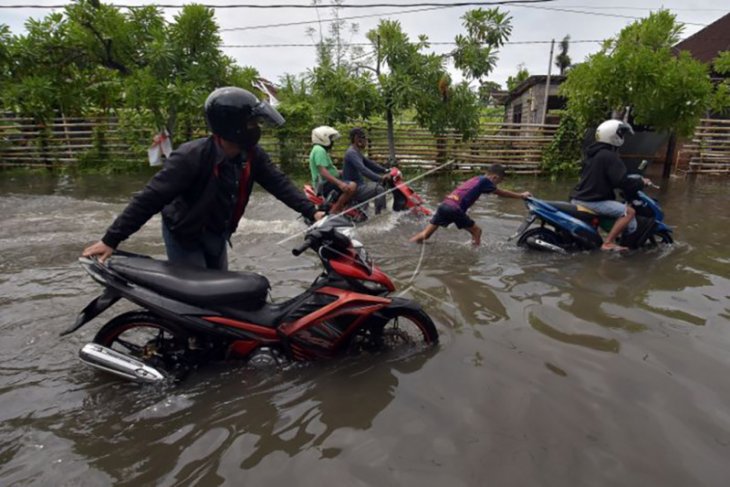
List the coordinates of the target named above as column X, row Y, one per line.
column 296, row 251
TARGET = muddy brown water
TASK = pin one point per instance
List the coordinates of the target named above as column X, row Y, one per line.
column 586, row 369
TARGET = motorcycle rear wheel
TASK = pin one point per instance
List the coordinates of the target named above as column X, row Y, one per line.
column 545, row 234
column 150, row 339
column 660, row 238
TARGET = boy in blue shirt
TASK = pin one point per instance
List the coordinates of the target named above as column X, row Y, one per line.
column 454, row 207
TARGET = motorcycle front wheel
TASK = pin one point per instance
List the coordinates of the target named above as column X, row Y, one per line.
column 150, row 339
column 400, row 330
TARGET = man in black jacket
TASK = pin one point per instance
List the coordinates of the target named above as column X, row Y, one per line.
column 603, row 172
column 204, row 187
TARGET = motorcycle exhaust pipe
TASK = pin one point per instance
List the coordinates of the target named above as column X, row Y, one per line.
column 108, row 360
column 538, row 242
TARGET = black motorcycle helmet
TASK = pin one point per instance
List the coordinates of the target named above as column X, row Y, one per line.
column 229, row 110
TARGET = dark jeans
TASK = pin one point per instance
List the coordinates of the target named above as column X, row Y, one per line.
column 208, row 252
column 368, row 190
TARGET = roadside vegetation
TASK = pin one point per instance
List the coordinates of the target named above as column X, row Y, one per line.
column 153, row 75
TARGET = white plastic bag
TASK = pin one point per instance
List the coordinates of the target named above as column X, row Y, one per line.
column 161, row 145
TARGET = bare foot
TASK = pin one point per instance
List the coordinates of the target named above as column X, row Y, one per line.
column 613, row 247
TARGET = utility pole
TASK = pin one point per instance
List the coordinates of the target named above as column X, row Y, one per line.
column 390, row 130
column 547, row 82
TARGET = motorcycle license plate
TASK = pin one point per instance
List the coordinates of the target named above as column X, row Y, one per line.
column 528, row 221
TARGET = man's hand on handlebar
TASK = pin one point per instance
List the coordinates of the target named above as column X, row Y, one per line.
column 100, row 250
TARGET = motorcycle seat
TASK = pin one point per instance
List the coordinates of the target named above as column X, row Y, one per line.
column 577, row 211
column 203, row 287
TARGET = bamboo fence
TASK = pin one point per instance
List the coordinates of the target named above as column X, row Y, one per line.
column 709, row 149
column 65, row 141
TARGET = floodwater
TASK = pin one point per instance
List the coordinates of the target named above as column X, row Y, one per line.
column 553, row 370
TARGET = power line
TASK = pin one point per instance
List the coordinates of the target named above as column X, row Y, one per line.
column 363, row 44
column 301, row 6
column 619, row 7
column 402, row 12
column 568, row 10
column 331, row 19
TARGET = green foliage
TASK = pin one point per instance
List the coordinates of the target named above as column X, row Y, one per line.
column 486, row 31
column 638, row 69
column 514, row 81
column 721, row 97
column 562, row 60
column 342, row 95
column 562, row 156
column 94, row 56
column 5, row 55
column 721, row 64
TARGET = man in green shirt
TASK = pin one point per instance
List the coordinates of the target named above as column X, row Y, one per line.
column 325, row 176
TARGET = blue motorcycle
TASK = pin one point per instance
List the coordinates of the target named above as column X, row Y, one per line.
column 564, row 226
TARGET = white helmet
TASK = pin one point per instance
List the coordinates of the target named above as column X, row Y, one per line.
column 612, row 132
column 324, row 135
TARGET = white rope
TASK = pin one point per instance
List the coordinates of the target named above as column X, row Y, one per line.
column 414, row 288
column 416, row 271
column 281, row 242
column 409, row 284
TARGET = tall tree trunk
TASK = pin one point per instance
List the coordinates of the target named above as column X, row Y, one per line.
column 391, row 136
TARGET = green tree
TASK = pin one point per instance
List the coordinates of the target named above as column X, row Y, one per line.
column 45, row 70
column 638, row 69
column 335, row 47
column 410, row 78
column 514, row 81
column 562, row 60
column 721, row 98
column 5, row 56
column 402, row 71
column 476, row 52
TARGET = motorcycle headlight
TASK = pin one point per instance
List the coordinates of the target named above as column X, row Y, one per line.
column 364, row 258
column 349, row 232
column 371, row 286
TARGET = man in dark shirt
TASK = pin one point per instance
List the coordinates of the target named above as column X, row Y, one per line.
column 603, row 172
column 204, row 187
column 356, row 166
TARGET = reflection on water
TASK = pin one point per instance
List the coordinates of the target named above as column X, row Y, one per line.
column 584, row 369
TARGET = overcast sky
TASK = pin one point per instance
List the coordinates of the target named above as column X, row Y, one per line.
column 601, row 19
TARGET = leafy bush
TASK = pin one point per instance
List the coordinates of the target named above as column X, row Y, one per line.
column 562, row 156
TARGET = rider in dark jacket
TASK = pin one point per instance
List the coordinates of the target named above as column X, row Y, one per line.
column 603, row 172
column 204, row 187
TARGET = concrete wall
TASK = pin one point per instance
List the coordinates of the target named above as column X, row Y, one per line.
column 532, row 102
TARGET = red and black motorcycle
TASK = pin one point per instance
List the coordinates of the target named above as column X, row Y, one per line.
column 404, row 198
column 191, row 316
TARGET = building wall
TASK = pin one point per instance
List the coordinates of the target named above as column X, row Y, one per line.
column 531, row 103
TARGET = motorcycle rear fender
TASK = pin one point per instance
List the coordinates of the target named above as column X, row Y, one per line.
column 102, row 302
